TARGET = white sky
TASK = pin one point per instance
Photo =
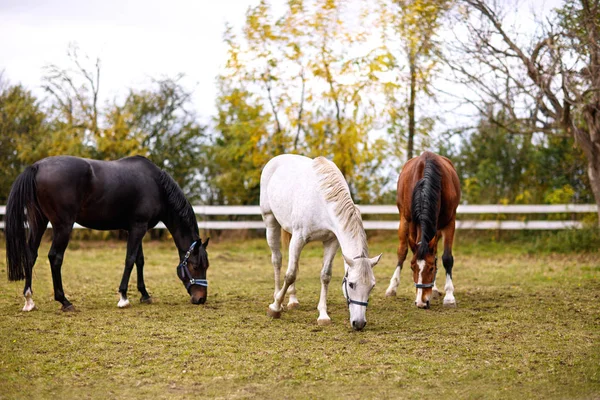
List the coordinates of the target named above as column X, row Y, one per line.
column 136, row 40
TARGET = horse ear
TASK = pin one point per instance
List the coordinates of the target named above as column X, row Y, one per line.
column 205, row 244
column 375, row 260
column 432, row 244
column 348, row 261
column 412, row 244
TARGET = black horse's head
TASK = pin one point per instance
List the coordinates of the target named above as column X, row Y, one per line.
column 192, row 271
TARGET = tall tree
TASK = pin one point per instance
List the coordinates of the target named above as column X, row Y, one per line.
column 22, row 128
column 409, row 32
column 551, row 84
column 306, row 77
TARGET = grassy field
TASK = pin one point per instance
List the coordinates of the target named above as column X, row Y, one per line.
column 526, row 326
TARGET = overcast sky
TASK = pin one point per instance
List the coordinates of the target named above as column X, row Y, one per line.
column 135, row 40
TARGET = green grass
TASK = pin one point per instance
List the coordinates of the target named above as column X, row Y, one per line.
column 526, row 326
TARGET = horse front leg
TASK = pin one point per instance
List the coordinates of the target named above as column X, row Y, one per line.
column 329, row 250
column 402, row 252
column 56, row 256
column 448, row 260
column 296, row 246
column 141, row 286
column 136, row 234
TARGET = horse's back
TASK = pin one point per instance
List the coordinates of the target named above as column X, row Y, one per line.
column 99, row 194
column 289, row 191
column 413, row 171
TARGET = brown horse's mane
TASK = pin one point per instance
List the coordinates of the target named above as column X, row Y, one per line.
column 425, row 203
column 336, row 191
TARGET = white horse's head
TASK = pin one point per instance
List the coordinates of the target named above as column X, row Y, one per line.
column 358, row 282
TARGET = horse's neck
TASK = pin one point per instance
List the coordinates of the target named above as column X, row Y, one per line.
column 352, row 246
column 183, row 234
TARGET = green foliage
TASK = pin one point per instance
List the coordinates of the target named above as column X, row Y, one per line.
column 23, row 127
column 291, row 86
column 496, row 166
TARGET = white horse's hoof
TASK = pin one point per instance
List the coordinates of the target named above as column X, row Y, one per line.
column 29, row 307
column 292, row 306
column 273, row 314
column 324, row 321
column 451, row 303
column 123, row 303
column 390, row 293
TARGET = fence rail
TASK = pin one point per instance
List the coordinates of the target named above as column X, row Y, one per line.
column 499, row 224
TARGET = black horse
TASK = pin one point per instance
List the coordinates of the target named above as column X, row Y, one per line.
column 131, row 194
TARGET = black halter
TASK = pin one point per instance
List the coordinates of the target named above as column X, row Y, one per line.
column 428, row 285
column 348, row 299
column 184, row 273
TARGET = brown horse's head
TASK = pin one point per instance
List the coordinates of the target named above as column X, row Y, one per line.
column 424, row 267
column 192, row 272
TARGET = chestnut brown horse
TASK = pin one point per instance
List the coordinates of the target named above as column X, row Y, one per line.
column 427, row 198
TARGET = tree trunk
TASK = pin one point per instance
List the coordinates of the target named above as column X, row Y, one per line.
column 411, row 109
column 594, row 175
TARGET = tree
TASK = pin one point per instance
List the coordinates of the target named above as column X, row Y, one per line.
column 22, row 128
column 409, row 32
column 309, row 95
column 550, row 85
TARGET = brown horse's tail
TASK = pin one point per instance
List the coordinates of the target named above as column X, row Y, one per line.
column 22, row 196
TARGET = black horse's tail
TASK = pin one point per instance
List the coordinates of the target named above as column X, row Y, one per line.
column 22, row 196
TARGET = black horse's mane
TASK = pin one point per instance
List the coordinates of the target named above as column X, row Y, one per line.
column 177, row 200
column 425, row 204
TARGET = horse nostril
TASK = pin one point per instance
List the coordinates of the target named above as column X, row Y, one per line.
column 427, row 306
column 202, row 300
column 357, row 326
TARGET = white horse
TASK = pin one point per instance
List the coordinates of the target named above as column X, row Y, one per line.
column 310, row 200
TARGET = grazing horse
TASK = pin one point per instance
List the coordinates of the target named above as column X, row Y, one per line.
column 428, row 195
column 131, row 194
column 310, row 200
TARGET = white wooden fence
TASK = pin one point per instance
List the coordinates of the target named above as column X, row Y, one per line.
column 501, row 211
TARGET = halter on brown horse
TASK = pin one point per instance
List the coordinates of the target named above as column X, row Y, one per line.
column 428, row 195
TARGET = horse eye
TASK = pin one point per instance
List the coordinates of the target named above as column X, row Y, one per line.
column 351, row 284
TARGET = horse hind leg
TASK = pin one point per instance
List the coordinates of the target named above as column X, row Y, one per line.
column 296, row 246
column 35, row 238
column 274, row 242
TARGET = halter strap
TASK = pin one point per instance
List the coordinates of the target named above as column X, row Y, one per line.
column 348, row 299
column 184, row 273
column 428, row 285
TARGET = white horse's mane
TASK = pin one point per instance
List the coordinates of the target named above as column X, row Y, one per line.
column 335, row 190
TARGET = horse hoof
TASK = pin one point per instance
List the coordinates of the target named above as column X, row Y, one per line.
column 450, row 304
column 324, row 321
column 69, row 308
column 435, row 295
column 124, row 303
column 292, row 306
column 146, row 300
column 390, row 293
column 273, row 314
